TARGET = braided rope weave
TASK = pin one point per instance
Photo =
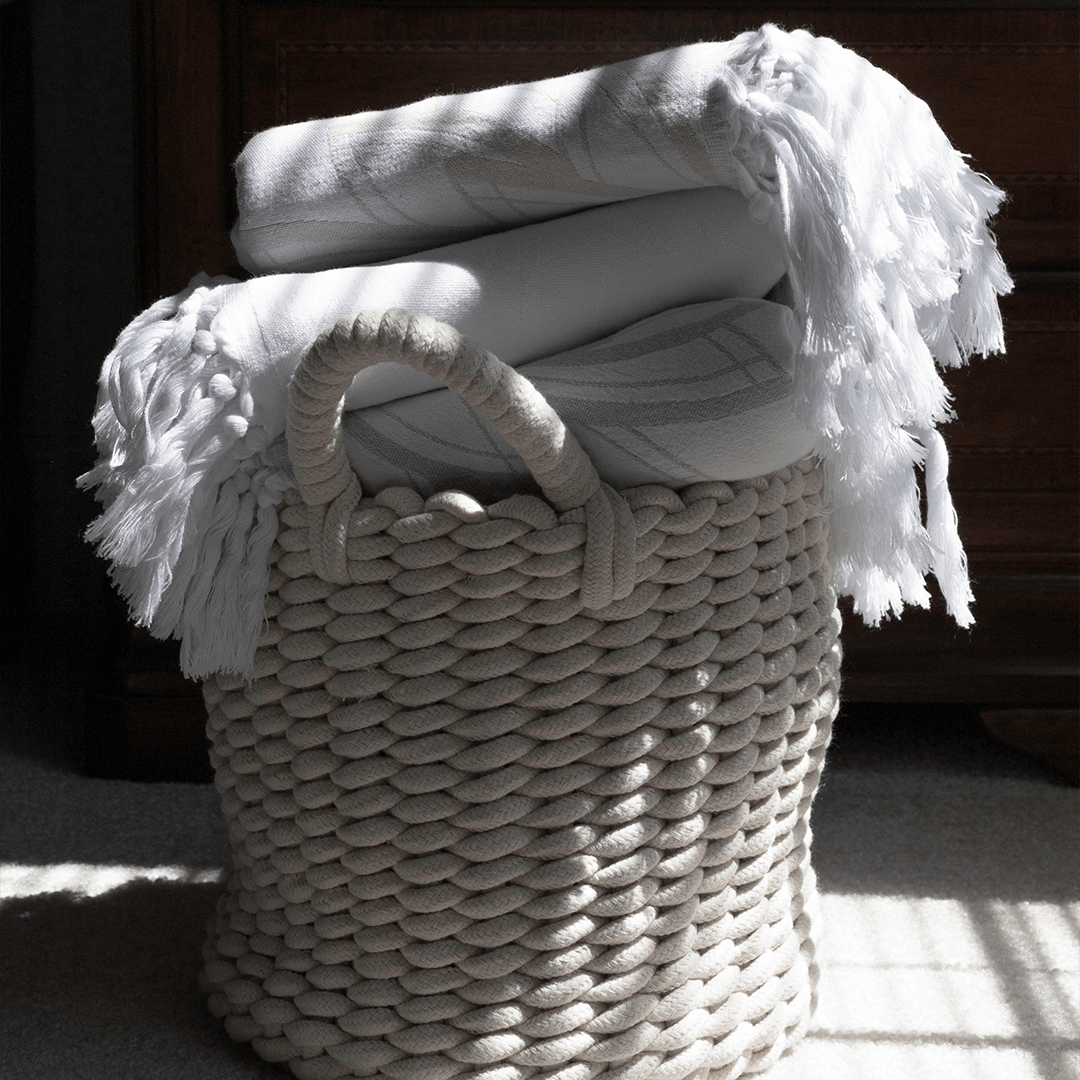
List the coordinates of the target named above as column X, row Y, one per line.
column 483, row 830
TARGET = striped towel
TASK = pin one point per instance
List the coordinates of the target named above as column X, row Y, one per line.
column 703, row 392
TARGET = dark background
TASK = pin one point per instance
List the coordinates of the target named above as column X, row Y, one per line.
column 69, row 286
column 119, row 122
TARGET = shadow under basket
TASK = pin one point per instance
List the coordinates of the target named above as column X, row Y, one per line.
column 483, row 830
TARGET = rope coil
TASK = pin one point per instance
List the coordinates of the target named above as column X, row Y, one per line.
column 509, row 835
column 505, row 398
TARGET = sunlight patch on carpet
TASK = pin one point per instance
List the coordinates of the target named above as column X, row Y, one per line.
column 920, row 988
column 18, row 881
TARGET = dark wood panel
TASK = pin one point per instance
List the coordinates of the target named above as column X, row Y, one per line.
column 1020, row 530
column 927, row 23
column 1050, row 736
column 324, row 79
column 1030, row 396
column 1015, row 460
column 1022, row 650
column 880, row 674
column 1039, row 226
column 1005, row 468
column 184, row 165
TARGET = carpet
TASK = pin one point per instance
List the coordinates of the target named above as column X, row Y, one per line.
column 950, row 911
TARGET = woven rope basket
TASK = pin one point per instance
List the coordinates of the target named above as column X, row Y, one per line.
column 522, row 790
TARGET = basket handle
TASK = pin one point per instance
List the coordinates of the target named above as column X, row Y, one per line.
column 511, row 403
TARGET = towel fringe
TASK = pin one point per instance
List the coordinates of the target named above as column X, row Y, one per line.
column 188, row 519
column 892, row 267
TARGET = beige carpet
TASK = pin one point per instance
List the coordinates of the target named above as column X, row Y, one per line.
column 951, row 905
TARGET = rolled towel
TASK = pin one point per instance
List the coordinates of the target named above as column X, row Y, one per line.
column 377, row 185
column 522, row 294
column 703, row 392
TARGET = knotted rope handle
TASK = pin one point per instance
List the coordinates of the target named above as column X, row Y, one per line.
column 513, row 406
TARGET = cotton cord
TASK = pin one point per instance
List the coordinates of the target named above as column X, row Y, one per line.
column 508, row 400
column 482, row 829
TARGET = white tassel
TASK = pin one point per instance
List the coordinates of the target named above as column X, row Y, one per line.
column 187, row 522
column 948, row 561
column 891, row 267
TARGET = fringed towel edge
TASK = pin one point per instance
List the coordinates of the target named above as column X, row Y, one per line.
column 188, row 516
column 892, row 268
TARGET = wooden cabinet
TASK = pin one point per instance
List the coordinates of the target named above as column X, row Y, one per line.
column 1003, row 84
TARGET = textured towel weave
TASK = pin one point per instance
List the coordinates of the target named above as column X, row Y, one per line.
column 697, row 393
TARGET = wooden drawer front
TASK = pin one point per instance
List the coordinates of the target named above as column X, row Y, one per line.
column 1014, row 446
column 1021, row 651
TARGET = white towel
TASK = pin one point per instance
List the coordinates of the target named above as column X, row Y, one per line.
column 883, row 228
column 889, row 257
column 704, row 392
column 195, row 390
column 521, row 294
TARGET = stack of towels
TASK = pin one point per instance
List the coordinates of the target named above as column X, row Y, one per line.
column 712, row 261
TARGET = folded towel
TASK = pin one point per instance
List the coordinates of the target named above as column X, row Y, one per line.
column 522, row 294
column 704, row 392
column 195, row 390
column 371, row 187
column 889, row 259
column 889, row 267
